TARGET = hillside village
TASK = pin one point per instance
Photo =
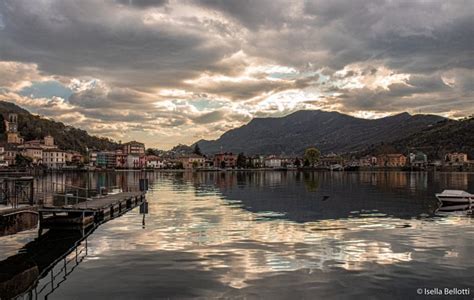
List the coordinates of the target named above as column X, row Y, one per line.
column 44, row 153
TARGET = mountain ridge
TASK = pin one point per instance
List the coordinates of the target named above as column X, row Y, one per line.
column 67, row 137
column 329, row 131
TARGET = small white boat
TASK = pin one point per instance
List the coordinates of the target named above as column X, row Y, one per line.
column 455, row 197
column 452, row 208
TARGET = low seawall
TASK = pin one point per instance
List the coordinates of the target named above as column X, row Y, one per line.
column 18, row 219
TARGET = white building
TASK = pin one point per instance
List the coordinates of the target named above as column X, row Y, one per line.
column 133, row 161
column 93, row 158
column 54, row 158
column 35, row 153
column 272, row 162
column 154, row 162
column 3, row 162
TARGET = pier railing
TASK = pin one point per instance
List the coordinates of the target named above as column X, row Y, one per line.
column 17, row 191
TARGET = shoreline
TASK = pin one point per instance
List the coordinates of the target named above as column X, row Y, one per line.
column 35, row 172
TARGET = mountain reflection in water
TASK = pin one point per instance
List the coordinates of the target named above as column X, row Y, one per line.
column 280, row 235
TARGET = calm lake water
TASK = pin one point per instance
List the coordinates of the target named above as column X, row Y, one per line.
column 273, row 235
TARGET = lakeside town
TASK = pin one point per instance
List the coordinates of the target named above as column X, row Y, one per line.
column 43, row 153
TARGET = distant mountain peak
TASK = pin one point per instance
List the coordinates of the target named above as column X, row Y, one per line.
column 328, row 130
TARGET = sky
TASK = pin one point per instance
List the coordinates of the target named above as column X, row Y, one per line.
column 169, row 72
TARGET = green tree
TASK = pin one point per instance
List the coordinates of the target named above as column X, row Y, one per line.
column 241, row 160
column 2, row 124
column 297, row 162
column 312, row 155
column 197, row 150
column 306, row 162
column 23, row 161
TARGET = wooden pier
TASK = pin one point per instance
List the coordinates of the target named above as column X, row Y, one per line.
column 92, row 210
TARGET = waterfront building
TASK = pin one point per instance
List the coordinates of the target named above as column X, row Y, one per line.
column 225, row 160
column 33, row 152
column 193, row 161
column 77, row 158
column 3, row 162
column 142, row 161
column 154, row 162
column 331, row 160
column 74, row 157
column 367, row 161
column 208, row 163
column 54, row 158
column 135, row 152
column 133, row 161
column 11, row 151
column 93, row 158
column 273, row 162
column 106, row 159
column 418, row 160
column 120, row 159
column 391, row 160
column 288, row 162
column 257, row 161
column 456, row 158
column 134, row 147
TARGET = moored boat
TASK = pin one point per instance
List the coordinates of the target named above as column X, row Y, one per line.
column 454, row 197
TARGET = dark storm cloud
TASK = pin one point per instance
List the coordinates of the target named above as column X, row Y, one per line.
column 98, row 39
column 413, row 36
column 421, row 93
column 209, row 117
column 142, row 3
column 105, row 40
column 101, row 96
column 252, row 13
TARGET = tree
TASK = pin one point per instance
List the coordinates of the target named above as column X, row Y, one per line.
column 152, row 151
column 241, row 160
column 297, row 162
column 23, row 161
column 2, row 124
column 2, row 128
column 197, row 150
column 312, row 155
column 306, row 162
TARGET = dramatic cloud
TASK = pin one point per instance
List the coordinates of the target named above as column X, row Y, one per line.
column 169, row 72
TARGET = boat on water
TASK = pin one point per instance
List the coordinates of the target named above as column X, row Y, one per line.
column 455, row 208
column 455, row 197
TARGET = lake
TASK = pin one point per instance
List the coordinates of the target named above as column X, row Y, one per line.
column 273, row 235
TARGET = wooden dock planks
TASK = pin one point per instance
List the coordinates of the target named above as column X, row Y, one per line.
column 106, row 201
column 91, row 210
